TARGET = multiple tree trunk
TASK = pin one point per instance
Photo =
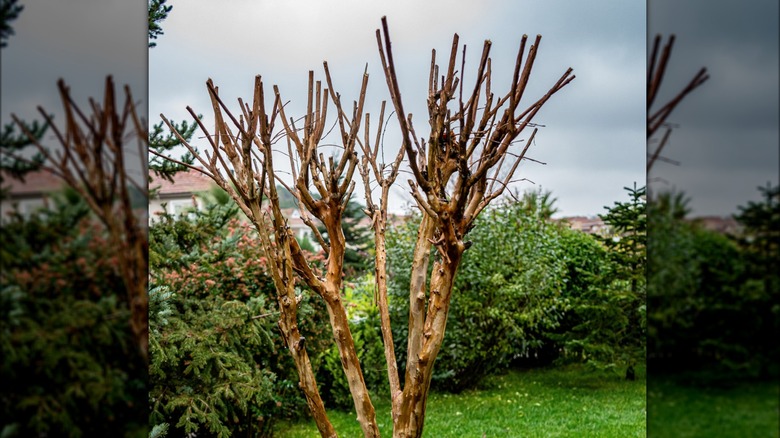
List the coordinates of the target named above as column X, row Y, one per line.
column 466, row 162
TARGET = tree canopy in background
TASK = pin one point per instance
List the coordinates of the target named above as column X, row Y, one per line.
column 9, row 11
column 158, row 12
column 712, row 298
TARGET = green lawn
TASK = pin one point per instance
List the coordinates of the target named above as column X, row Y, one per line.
column 568, row 402
column 681, row 409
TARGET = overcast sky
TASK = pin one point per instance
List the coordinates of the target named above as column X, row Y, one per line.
column 80, row 41
column 594, row 139
column 726, row 138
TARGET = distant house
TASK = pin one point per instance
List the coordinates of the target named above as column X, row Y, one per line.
column 29, row 195
column 179, row 195
column 587, row 224
column 724, row 225
column 594, row 225
column 186, row 192
column 35, row 192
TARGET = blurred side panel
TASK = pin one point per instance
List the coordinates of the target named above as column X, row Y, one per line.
column 72, row 289
column 714, row 216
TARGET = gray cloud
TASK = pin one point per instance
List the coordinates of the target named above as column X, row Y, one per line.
column 594, row 130
column 726, row 134
column 80, row 41
column 594, row 137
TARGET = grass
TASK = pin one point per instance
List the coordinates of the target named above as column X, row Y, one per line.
column 681, row 408
column 557, row 402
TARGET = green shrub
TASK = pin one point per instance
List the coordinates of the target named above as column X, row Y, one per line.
column 203, row 370
column 709, row 309
column 70, row 366
column 212, row 264
column 507, row 293
column 528, row 292
column 606, row 288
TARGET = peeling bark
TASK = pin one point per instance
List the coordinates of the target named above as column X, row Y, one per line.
column 455, row 172
column 454, row 180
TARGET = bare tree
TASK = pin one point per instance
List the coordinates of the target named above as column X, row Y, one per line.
column 241, row 162
column 656, row 70
column 456, row 175
column 456, row 172
column 92, row 160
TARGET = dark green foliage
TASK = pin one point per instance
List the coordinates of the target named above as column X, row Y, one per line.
column 628, row 239
column 158, row 11
column 609, row 306
column 70, row 367
column 601, row 308
column 13, row 142
column 760, row 244
column 508, row 292
column 710, row 308
column 217, row 312
column 166, row 144
column 203, row 371
column 530, row 291
column 9, row 11
column 173, row 240
column 760, row 240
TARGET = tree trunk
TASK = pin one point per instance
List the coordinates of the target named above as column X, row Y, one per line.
column 339, row 323
column 419, row 371
column 366, row 415
column 307, row 382
column 384, row 310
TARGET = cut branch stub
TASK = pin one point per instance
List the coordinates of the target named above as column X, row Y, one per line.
column 467, row 145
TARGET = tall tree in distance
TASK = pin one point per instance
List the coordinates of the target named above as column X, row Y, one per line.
column 541, row 203
column 12, row 142
column 158, row 11
column 628, row 249
column 760, row 243
column 167, row 143
column 9, row 11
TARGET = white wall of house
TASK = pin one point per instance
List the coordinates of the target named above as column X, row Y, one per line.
column 175, row 205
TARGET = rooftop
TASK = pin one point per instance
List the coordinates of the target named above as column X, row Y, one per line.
column 185, row 183
column 35, row 183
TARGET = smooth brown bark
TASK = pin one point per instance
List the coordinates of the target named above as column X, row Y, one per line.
column 284, row 281
column 417, row 298
column 380, row 272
